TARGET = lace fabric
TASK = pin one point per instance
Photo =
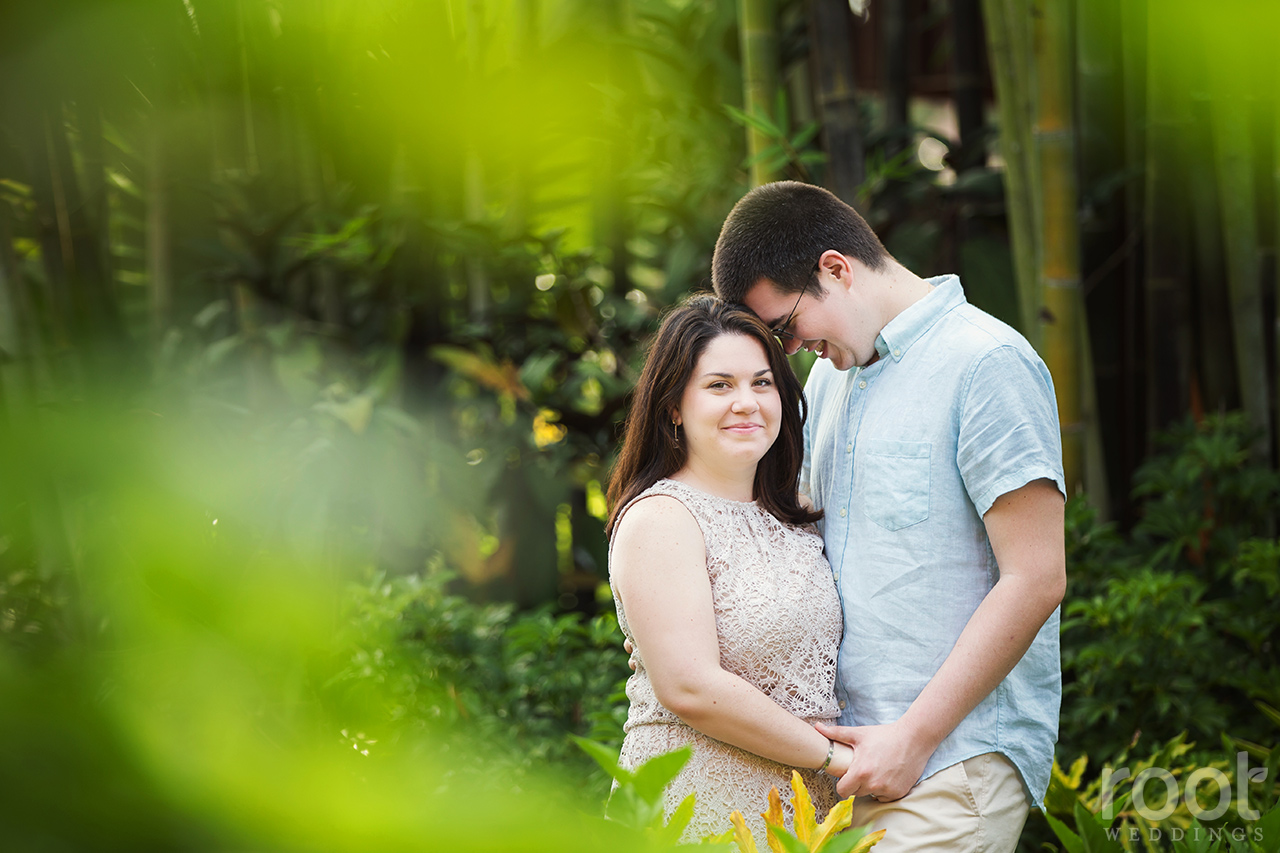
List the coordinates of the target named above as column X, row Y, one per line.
column 779, row 622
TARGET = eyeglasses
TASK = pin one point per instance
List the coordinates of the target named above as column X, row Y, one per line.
column 780, row 332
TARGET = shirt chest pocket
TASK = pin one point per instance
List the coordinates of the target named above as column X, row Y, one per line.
column 894, row 480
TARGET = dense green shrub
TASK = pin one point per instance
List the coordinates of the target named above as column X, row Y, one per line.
column 522, row 682
column 1173, row 628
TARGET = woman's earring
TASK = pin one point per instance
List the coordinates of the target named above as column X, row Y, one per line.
column 675, row 431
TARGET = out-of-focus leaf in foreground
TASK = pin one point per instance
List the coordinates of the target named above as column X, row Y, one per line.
column 170, row 695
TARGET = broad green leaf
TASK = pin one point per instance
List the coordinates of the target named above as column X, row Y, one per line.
column 788, row 842
column 844, row 842
column 604, row 756
column 670, row 833
column 656, row 773
column 1070, row 841
column 869, row 841
column 1267, row 831
column 1093, row 834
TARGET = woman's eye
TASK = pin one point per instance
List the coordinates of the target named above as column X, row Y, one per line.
column 764, row 382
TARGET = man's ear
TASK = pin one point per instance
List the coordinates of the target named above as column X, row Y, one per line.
column 834, row 269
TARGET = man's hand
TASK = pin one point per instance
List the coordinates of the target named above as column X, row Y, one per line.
column 1025, row 528
column 887, row 760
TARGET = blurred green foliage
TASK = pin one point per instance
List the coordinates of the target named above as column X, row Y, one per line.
column 1173, row 628
column 517, row 684
column 185, row 664
column 321, row 313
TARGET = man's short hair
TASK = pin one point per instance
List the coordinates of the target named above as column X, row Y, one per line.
column 778, row 231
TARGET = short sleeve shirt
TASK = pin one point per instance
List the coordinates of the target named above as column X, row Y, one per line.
column 905, row 457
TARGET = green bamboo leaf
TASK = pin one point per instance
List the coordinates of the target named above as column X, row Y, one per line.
column 218, row 350
column 806, row 135
column 1270, row 713
column 756, row 121
column 773, row 151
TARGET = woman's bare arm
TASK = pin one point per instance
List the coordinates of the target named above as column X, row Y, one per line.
column 659, row 571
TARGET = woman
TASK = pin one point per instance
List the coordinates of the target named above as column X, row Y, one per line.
column 719, row 582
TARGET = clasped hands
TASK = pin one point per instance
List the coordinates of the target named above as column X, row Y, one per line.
column 886, row 763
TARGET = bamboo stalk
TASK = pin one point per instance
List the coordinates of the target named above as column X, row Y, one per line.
column 159, row 243
column 966, row 32
column 524, row 57
column 1133, row 41
column 1102, row 238
column 12, row 321
column 829, row 32
column 473, row 175
column 1275, row 320
column 246, row 95
column 1166, row 291
column 1215, row 359
column 1233, row 164
column 756, row 23
column 1063, row 320
column 1008, row 37
column 896, row 86
column 608, row 197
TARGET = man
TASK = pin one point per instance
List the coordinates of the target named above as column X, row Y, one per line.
column 932, row 446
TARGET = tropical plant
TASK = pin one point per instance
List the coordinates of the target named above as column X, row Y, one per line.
column 833, row 835
column 1162, row 802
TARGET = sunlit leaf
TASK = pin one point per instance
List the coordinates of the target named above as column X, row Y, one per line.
column 802, row 806
column 742, row 833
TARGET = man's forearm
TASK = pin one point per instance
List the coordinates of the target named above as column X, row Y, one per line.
column 995, row 639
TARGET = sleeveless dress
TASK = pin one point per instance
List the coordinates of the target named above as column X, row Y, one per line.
column 779, row 623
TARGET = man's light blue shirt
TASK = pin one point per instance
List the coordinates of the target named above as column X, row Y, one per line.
column 905, row 457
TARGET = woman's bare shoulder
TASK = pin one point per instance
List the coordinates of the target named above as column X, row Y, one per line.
column 654, row 515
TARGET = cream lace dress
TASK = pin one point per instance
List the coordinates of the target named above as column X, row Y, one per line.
column 779, row 622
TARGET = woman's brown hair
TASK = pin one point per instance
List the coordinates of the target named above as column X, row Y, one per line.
column 650, row 450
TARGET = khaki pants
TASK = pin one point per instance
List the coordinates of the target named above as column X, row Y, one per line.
column 976, row 806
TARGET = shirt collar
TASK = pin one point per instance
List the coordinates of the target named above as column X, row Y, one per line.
column 909, row 326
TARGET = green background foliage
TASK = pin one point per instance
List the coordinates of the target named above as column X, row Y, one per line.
column 317, row 325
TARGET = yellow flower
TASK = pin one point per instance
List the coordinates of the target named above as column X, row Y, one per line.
column 812, row 835
column 545, row 431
